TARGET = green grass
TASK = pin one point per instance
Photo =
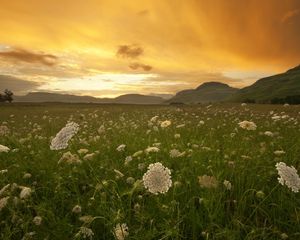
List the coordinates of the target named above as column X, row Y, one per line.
column 186, row 211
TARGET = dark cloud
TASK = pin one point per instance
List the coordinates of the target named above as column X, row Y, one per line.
column 129, row 51
column 29, row 57
column 18, row 86
column 136, row 66
column 144, row 12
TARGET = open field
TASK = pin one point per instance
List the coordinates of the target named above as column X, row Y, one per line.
column 91, row 191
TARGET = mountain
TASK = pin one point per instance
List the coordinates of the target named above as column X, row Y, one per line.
column 56, row 97
column 272, row 89
column 207, row 92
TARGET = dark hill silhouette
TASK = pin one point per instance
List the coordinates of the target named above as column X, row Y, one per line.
column 206, row 92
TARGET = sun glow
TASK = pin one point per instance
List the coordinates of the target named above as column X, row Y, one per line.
column 105, row 81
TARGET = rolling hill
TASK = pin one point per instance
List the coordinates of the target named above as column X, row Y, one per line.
column 267, row 90
column 205, row 93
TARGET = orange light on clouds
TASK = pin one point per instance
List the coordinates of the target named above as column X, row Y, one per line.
column 172, row 44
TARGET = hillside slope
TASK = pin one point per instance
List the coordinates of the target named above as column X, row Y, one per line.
column 207, row 92
column 267, row 89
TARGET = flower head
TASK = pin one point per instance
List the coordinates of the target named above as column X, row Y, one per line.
column 288, row 176
column 4, row 130
column 69, row 158
column 85, row 233
column 25, row 193
column 151, row 149
column 157, row 179
column 76, row 209
column 248, row 125
column 4, row 148
column 121, row 231
column 121, row 148
column 63, row 136
column 37, row 220
column 165, row 124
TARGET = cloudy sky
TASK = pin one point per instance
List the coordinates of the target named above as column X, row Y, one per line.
column 107, row 48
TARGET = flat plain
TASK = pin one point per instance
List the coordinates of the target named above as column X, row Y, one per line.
column 224, row 180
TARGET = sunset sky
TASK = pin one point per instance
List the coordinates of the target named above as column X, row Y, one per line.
column 108, row 48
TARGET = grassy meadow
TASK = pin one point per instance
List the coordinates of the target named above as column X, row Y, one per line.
column 239, row 196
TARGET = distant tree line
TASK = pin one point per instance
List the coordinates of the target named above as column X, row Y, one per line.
column 7, row 96
column 289, row 99
column 248, row 100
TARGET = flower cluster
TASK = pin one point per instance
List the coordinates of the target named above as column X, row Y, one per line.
column 4, row 130
column 165, row 124
column 288, row 176
column 248, row 125
column 4, row 148
column 121, row 231
column 157, row 179
column 63, row 136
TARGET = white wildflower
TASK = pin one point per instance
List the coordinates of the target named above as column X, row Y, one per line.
column 87, row 219
column 248, row 125
column 4, row 130
column 63, row 136
column 69, row 158
column 89, row 156
column 121, row 231
column 4, row 148
column 121, row 148
column 154, row 119
column 201, row 122
column 27, row 175
column 174, row 153
column 165, row 124
column 3, row 171
column 83, row 151
column 76, row 209
column 119, row 173
column 101, row 129
column 138, row 153
column 25, row 193
column 3, row 202
column 157, row 179
column 227, row 184
column 177, row 135
column 4, row 189
column 151, row 149
column 268, row 133
column 128, row 159
column 37, row 220
column 288, row 176
column 279, row 152
column 85, row 232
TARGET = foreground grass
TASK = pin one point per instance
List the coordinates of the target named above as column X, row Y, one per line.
column 256, row 206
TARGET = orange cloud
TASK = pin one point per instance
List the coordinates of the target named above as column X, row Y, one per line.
column 129, row 51
column 136, row 66
column 29, row 57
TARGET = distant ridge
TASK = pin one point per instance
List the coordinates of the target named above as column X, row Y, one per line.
column 280, row 88
column 68, row 98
